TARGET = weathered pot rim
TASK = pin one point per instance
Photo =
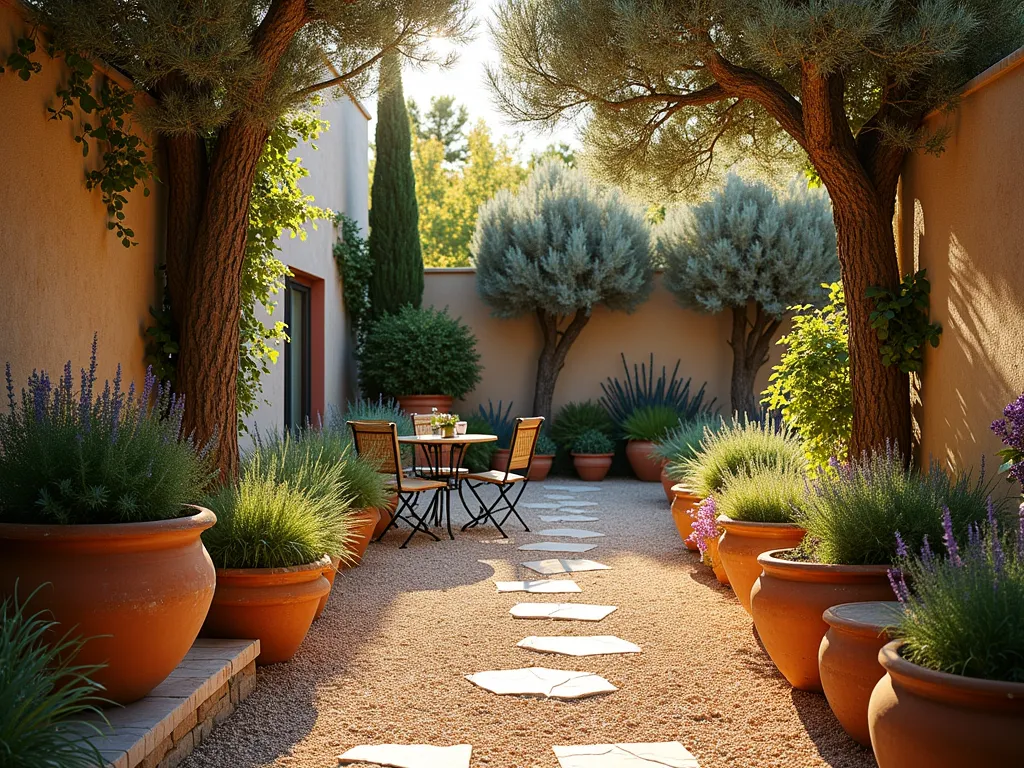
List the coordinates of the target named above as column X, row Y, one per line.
column 542, row 455
column 198, row 522
column 853, row 626
column 794, row 570
column 752, row 528
column 679, row 488
column 244, row 573
column 946, row 686
column 592, row 455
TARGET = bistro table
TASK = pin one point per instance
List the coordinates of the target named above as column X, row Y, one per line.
column 444, row 458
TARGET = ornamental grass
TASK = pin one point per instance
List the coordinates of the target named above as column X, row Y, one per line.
column 763, row 495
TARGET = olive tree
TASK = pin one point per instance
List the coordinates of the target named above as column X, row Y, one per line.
column 668, row 86
column 557, row 248
column 756, row 253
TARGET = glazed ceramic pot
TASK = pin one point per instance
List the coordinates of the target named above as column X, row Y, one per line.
column 592, row 466
column 329, row 573
column 386, row 513
column 920, row 718
column 646, row 466
column 499, row 459
column 364, row 524
column 712, row 558
column 684, row 510
column 787, row 602
column 541, row 467
column 425, row 403
column 742, row 542
column 139, row 592
column 667, row 483
column 848, row 660
column 273, row 605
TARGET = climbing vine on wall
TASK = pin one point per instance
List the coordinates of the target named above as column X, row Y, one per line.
column 355, row 266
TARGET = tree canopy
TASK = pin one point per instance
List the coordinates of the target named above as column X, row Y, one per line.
column 444, row 122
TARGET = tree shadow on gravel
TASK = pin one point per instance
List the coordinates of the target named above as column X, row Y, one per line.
column 835, row 747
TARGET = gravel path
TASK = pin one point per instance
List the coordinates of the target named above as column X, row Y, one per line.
column 386, row 662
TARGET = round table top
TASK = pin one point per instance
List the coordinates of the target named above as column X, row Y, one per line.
column 438, row 440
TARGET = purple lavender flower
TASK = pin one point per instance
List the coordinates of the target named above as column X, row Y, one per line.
column 901, row 547
column 1010, row 429
column 10, row 387
column 705, row 526
column 898, row 584
column 948, row 538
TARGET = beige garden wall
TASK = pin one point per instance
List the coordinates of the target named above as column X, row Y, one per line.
column 509, row 348
column 961, row 216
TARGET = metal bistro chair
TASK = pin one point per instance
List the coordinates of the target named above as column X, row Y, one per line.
column 421, row 426
column 516, row 472
column 377, row 442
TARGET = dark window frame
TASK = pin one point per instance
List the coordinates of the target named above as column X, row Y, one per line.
column 306, row 357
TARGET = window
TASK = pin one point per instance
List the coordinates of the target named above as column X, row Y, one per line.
column 297, row 358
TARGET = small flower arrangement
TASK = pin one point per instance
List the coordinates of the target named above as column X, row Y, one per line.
column 444, row 423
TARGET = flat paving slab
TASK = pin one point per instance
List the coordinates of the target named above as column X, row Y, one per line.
column 668, row 754
column 543, row 682
column 562, row 611
column 557, row 546
column 562, row 504
column 573, row 488
column 560, row 565
column 559, row 496
column 410, row 755
column 571, row 533
column 568, row 517
column 539, row 586
column 595, row 645
column 543, row 505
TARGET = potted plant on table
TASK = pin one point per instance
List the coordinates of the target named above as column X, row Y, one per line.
column 592, row 455
column 96, row 520
column 643, row 429
column 443, row 424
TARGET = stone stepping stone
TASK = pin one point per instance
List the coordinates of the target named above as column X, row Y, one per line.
column 409, row 755
column 539, row 681
column 571, row 533
column 568, row 518
column 557, row 546
column 564, row 504
column 539, row 586
column 668, row 754
column 559, row 497
column 595, row 645
column 543, row 505
column 554, row 566
column 572, row 488
column 562, row 611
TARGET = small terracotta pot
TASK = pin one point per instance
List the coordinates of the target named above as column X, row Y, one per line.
column 646, row 466
column 787, row 602
column 742, row 542
column 684, row 511
column 920, row 718
column 138, row 592
column 592, row 467
column 273, row 605
column 329, row 573
column 848, row 660
column 386, row 513
column 712, row 557
column 667, row 483
column 499, row 459
column 541, row 467
column 424, row 403
column 364, row 524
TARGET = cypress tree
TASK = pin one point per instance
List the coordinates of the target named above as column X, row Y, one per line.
column 394, row 219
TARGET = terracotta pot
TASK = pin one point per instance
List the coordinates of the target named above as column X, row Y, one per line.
column 424, row 403
column 787, row 602
column 499, row 459
column 684, row 511
column 592, row 467
column 742, row 542
column 712, row 558
column 541, row 467
column 386, row 513
column 848, row 660
column 273, row 605
column 364, row 524
column 924, row 719
column 329, row 573
column 667, row 483
column 646, row 466
column 138, row 591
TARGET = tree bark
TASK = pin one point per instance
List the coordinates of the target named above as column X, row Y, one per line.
column 186, row 187
column 749, row 342
column 552, row 355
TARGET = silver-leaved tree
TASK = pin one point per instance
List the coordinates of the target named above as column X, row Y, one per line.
column 557, row 248
column 755, row 252
column 668, row 84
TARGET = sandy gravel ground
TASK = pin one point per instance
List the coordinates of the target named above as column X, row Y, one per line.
column 386, row 662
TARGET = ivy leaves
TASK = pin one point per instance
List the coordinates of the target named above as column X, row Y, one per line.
column 20, row 62
column 901, row 321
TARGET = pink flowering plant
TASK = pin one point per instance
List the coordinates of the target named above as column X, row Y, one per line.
column 705, row 526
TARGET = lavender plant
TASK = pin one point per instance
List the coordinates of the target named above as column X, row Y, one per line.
column 86, row 457
column 964, row 611
column 1010, row 429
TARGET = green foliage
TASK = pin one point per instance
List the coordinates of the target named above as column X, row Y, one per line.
column 381, row 409
column 761, row 494
column 20, row 60
column 478, row 456
column 644, row 391
column 445, row 123
column 741, row 446
column 546, row 446
column 575, row 418
column 48, row 704
column 683, row 442
column 419, row 351
column 352, row 255
column 593, row 441
column 650, row 422
column 811, row 384
column 499, row 422
column 900, row 319
column 394, row 243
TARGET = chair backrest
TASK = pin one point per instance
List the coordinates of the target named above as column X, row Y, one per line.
column 524, row 442
column 377, row 443
column 421, row 424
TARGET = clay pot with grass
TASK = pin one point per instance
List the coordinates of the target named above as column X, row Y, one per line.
column 592, row 455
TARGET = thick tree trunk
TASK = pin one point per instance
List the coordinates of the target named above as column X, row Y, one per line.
column 552, row 356
column 750, row 341
column 186, row 179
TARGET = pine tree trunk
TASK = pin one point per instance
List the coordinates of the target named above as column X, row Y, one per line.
column 552, row 356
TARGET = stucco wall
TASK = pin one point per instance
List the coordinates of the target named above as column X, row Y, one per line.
column 509, row 348
column 961, row 217
column 64, row 275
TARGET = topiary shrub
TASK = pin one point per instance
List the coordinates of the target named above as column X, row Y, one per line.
column 593, row 442
column 578, row 417
column 419, row 352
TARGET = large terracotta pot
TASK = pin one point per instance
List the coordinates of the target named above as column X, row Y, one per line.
column 592, row 467
column 788, row 600
column 364, row 524
column 329, row 573
column 386, row 513
column 646, row 466
column 424, row 403
column 848, row 660
column 499, row 459
column 712, row 557
column 684, row 511
column 742, row 542
column 273, row 605
column 667, row 483
column 924, row 719
column 541, row 467
column 137, row 591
